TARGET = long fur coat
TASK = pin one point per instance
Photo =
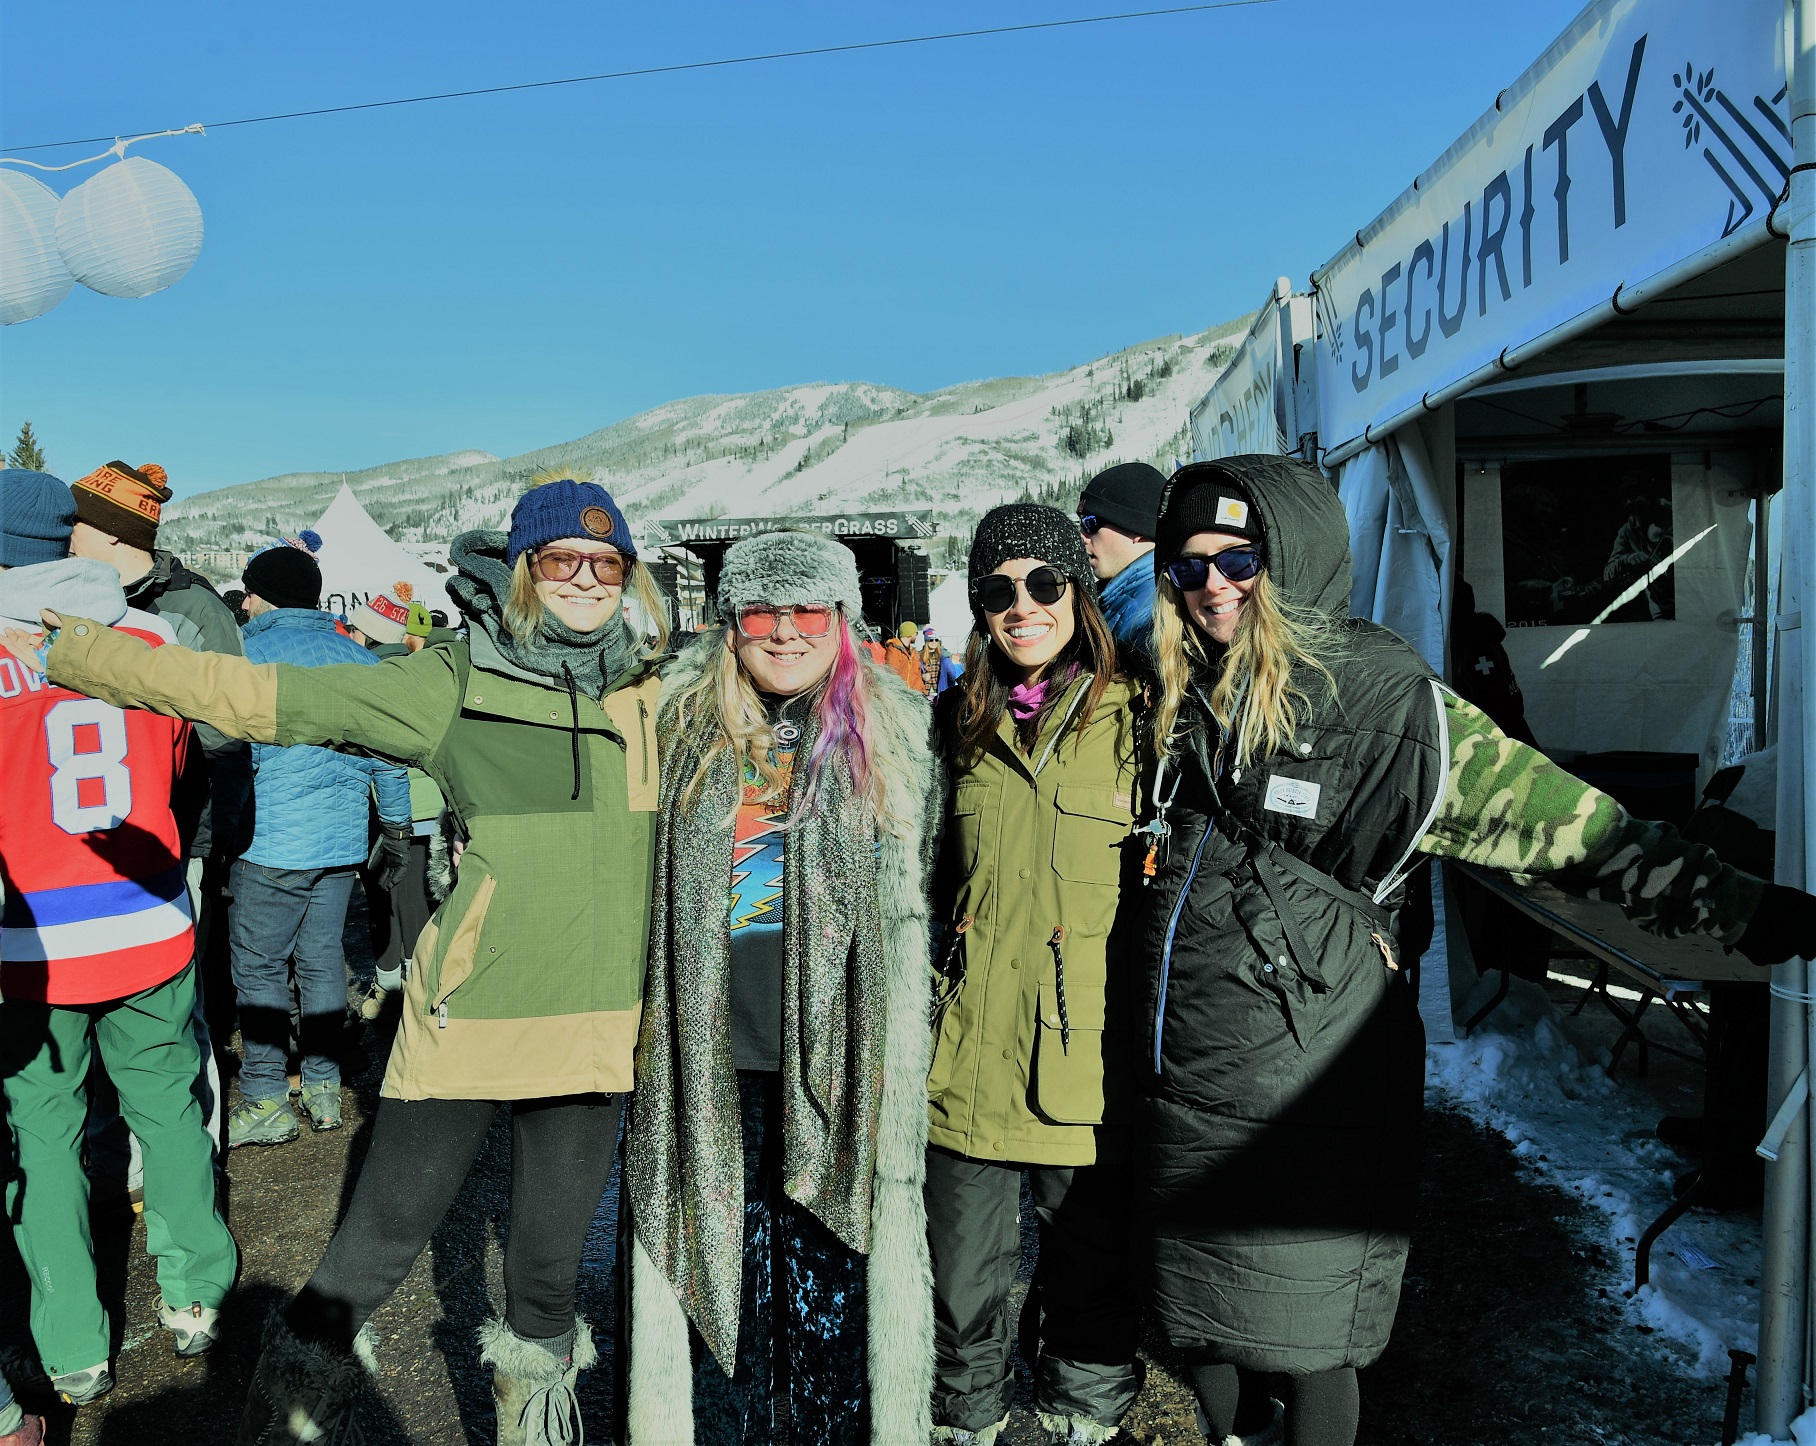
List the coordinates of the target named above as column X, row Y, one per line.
column 899, row 1275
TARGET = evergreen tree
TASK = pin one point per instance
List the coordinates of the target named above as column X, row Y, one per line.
column 26, row 453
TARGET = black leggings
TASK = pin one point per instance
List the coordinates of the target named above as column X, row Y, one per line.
column 561, row 1157
column 1321, row 1409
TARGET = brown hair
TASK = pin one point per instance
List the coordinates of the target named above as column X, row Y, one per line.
column 984, row 689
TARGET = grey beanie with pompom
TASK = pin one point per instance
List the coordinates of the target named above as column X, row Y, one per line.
column 789, row 567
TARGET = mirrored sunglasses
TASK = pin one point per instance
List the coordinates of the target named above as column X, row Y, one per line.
column 811, row 620
column 995, row 593
column 1238, row 564
column 554, row 564
column 1089, row 524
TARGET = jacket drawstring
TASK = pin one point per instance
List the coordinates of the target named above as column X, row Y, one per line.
column 574, row 706
column 1059, row 988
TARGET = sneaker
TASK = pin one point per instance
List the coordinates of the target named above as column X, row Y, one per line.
column 323, row 1103
column 81, row 1388
column 261, row 1122
column 194, row 1327
column 373, row 1004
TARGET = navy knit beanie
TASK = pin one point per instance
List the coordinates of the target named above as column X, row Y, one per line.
column 37, row 512
column 566, row 508
column 285, row 576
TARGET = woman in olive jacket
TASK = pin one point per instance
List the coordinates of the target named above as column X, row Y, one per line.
column 1307, row 760
column 540, row 732
column 1040, row 749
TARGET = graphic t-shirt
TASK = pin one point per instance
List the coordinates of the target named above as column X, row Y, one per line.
column 755, row 913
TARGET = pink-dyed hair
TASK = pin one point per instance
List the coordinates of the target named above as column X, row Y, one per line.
column 844, row 727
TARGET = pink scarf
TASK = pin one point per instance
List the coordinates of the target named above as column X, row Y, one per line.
column 1025, row 699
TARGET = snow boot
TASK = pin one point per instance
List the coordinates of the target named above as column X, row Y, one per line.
column 304, row 1391
column 1272, row 1434
column 533, row 1383
column 958, row 1436
column 1075, row 1430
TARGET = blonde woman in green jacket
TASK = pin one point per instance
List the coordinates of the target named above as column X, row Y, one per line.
column 1040, row 750
column 527, row 983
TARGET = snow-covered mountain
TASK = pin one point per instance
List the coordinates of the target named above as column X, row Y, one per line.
column 795, row 451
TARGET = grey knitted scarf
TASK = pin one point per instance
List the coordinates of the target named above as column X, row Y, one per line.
column 596, row 660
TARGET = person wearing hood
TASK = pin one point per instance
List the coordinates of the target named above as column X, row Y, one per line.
column 539, row 731
column 1305, row 760
column 776, row 1145
column 1039, row 738
column 96, row 945
column 1116, row 517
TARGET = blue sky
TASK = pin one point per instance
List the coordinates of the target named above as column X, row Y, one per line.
column 514, row 271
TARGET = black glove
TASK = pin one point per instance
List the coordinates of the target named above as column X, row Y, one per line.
column 1783, row 926
column 390, row 857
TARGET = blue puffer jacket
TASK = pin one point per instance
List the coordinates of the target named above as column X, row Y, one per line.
column 311, row 802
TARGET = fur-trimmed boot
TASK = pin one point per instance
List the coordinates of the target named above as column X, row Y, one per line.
column 304, row 1391
column 1075, row 1430
column 533, row 1383
column 959, row 1436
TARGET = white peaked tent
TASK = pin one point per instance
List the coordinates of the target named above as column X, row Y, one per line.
column 359, row 558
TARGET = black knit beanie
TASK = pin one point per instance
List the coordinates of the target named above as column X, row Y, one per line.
column 1202, row 497
column 1126, row 496
column 286, row 577
column 1027, row 529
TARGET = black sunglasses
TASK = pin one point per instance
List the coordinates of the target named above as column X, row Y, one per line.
column 1089, row 524
column 1238, row 564
column 995, row 593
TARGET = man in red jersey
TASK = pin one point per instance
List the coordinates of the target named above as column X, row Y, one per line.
column 96, row 936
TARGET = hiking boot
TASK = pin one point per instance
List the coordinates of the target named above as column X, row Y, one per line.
column 82, row 1388
column 304, row 1391
column 322, row 1102
column 261, row 1122
column 533, row 1383
column 193, row 1326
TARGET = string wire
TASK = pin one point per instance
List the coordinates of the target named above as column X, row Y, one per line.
column 678, row 68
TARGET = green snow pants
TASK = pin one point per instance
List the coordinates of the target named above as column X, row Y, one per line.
column 148, row 1044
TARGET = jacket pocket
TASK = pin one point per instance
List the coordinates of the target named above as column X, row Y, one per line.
column 1067, row 1084
column 461, row 952
column 970, row 804
column 1089, row 828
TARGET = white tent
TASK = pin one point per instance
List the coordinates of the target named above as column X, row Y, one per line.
column 359, row 558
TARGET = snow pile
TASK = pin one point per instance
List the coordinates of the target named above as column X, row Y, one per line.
column 1522, row 1077
column 1803, row 1432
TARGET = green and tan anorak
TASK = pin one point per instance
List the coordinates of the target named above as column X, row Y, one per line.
column 528, row 981
column 1032, row 862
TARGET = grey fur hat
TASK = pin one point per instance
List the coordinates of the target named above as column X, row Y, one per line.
column 790, row 567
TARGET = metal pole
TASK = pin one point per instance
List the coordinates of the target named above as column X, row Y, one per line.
column 1784, row 1336
column 1762, row 614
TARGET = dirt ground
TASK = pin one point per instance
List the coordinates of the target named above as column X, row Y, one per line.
column 1506, row 1332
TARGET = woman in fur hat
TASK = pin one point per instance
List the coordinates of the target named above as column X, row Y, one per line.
column 1039, row 739
column 774, row 1167
column 539, row 731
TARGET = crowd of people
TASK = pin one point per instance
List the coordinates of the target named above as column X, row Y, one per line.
column 1117, row 919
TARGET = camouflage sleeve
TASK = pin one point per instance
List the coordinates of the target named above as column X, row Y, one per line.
column 1509, row 807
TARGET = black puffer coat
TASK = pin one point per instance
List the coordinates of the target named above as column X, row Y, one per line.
column 1281, row 1119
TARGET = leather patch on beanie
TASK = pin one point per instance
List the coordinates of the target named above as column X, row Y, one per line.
column 597, row 521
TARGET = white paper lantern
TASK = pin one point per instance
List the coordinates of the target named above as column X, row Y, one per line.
column 33, row 277
column 131, row 230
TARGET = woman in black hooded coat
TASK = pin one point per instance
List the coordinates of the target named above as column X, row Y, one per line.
column 1306, row 761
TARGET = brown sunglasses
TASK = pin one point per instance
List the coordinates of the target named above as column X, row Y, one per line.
column 556, row 564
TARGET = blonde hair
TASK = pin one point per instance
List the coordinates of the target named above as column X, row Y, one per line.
column 1258, row 694
column 524, row 609
column 721, row 711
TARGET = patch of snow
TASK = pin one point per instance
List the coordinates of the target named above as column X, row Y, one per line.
column 1523, row 1078
column 1803, row 1433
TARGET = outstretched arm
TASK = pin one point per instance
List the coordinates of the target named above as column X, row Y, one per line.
column 1509, row 807
column 398, row 710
